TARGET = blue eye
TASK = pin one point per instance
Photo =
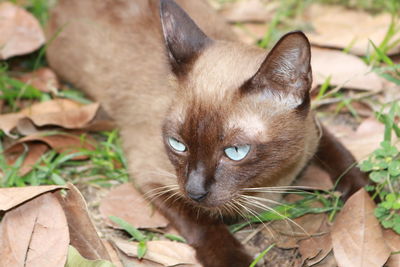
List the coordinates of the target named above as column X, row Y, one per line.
column 237, row 152
column 176, row 145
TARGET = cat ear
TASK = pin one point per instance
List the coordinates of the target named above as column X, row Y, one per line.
column 286, row 72
column 184, row 39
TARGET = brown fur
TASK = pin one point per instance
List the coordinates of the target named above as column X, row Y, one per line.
column 162, row 79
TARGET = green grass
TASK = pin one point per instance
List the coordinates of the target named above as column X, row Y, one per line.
column 105, row 166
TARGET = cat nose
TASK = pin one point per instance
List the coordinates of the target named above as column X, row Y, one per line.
column 197, row 196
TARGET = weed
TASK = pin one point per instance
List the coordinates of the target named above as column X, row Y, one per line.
column 383, row 166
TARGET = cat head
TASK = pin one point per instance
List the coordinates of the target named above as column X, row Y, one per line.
column 240, row 117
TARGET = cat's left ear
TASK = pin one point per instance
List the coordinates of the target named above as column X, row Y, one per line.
column 285, row 73
column 184, row 39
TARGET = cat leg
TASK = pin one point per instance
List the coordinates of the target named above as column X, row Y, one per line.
column 340, row 164
column 215, row 246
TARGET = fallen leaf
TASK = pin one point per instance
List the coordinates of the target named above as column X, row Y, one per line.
column 134, row 262
column 82, row 232
column 249, row 11
column 71, row 119
column 20, row 32
column 14, row 196
column 314, row 249
column 393, row 241
column 34, row 151
column 357, row 235
column 167, row 253
column 37, row 144
column 315, row 177
column 34, row 234
column 365, row 139
column 128, row 204
column 345, row 70
column 338, row 27
column 75, row 259
column 113, row 254
column 63, row 113
column 328, row 261
column 43, row 79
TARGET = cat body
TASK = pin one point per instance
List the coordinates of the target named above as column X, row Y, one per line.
column 206, row 122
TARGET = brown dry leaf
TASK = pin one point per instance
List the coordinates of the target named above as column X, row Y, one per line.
column 167, row 253
column 71, row 119
column 113, row 254
column 58, row 112
column 393, row 241
column 43, row 79
column 365, row 139
column 315, row 177
column 36, row 145
column 34, row 151
column 20, row 32
column 328, row 261
column 315, row 249
column 82, row 232
column 249, row 11
column 134, row 262
column 12, row 197
column 346, row 70
column 34, row 234
column 357, row 235
column 336, row 26
column 9, row 121
column 126, row 202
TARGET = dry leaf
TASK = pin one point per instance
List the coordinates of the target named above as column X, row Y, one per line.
column 249, row 11
column 365, row 139
column 34, row 151
column 82, row 232
column 328, row 261
column 134, row 262
column 37, row 144
column 43, row 79
column 9, row 121
column 34, row 234
column 167, row 253
column 127, row 203
column 315, row 177
column 357, row 235
column 315, row 249
column 63, row 113
column 113, row 254
column 12, row 197
column 20, row 32
column 71, row 119
column 346, row 70
column 336, row 26
column 393, row 241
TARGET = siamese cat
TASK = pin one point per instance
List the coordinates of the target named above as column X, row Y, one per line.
column 206, row 122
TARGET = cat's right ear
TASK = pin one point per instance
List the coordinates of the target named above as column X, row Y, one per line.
column 184, row 39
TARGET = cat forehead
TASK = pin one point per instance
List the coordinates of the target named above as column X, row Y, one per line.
column 223, row 67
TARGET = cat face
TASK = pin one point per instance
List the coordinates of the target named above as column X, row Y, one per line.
column 238, row 118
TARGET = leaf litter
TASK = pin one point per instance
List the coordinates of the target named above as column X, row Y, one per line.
column 34, row 234
column 313, row 242
column 20, row 32
column 357, row 235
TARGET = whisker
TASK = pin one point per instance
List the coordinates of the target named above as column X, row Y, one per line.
column 248, row 209
column 264, row 199
column 153, row 194
column 261, row 205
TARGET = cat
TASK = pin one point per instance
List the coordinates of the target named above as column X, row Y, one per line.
column 206, row 122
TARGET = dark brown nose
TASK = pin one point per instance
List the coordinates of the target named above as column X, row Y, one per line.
column 197, row 196
column 195, row 185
